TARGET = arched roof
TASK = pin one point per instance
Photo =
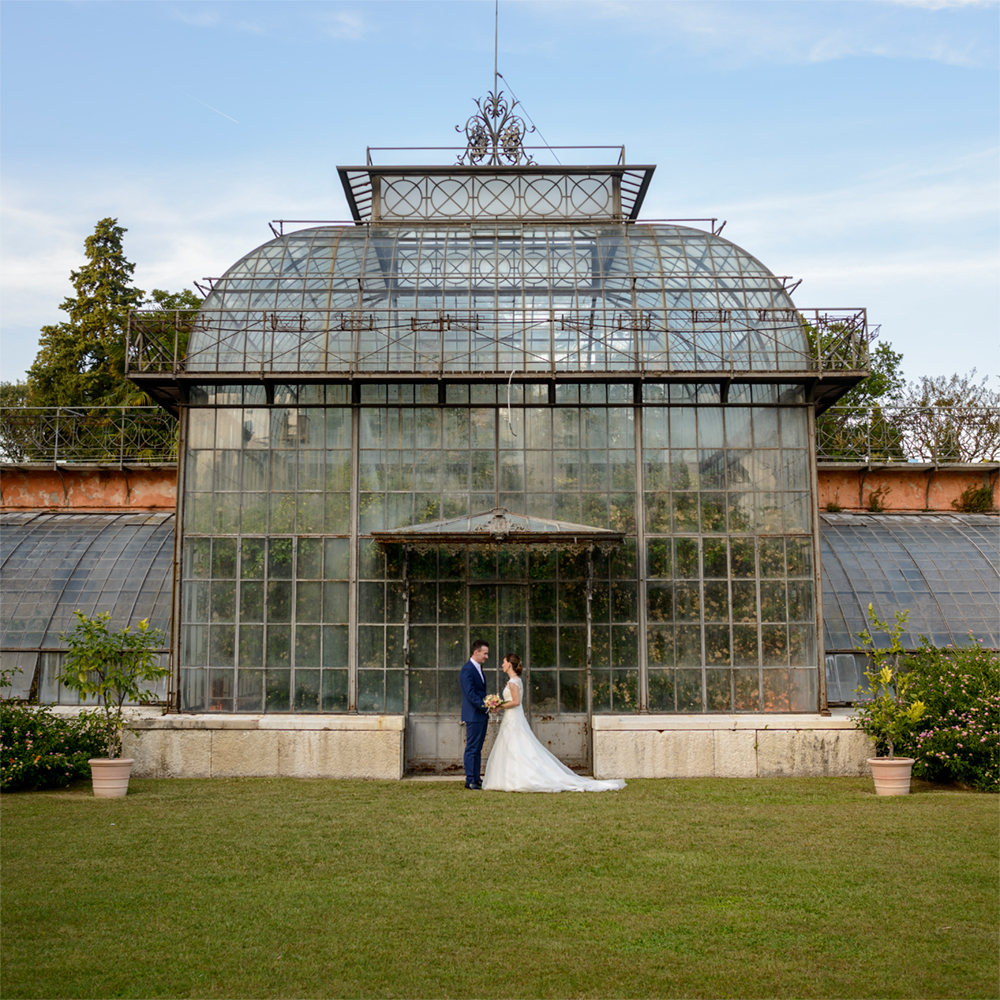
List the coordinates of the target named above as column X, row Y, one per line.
column 496, row 298
column 944, row 569
column 54, row 564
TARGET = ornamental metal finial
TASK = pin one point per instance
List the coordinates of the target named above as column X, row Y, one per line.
column 495, row 135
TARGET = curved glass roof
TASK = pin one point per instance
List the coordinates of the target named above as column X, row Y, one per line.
column 498, row 298
column 945, row 569
column 54, row 564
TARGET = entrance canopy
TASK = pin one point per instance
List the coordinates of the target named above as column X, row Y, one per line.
column 492, row 527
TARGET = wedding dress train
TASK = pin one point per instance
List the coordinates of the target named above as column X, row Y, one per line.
column 519, row 763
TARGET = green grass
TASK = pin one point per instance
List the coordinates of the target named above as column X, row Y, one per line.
column 707, row 888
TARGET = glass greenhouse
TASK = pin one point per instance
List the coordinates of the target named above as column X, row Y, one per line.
column 499, row 407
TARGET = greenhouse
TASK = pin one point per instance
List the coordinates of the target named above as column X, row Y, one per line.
column 499, row 406
column 944, row 569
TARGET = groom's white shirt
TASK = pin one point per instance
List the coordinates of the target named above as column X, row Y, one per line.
column 482, row 677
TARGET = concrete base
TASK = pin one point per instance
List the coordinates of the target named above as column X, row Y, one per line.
column 366, row 746
column 728, row 746
column 266, row 746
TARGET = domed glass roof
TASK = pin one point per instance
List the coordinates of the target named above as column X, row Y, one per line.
column 499, row 298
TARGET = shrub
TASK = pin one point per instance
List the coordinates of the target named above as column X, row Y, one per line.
column 958, row 738
column 975, row 500
column 41, row 750
column 886, row 711
column 114, row 666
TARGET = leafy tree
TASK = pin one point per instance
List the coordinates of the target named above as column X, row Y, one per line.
column 73, row 363
column 857, row 428
column 114, row 666
column 81, row 361
column 13, row 395
column 884, row 385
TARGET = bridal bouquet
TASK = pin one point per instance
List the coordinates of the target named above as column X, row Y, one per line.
column 492, row 701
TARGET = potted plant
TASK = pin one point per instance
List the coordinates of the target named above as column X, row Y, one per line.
column 114, row 667
column 885, row 713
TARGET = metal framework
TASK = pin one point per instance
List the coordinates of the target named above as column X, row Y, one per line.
column 365, row 344
column 59, row 435
column 930, row 434
column 585, row 193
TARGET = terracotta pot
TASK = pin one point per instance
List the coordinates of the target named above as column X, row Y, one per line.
column 110, row 777
column 891, row 774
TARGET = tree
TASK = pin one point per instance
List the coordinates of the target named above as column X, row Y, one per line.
column 81, row 362
column 13, row 395
column 884, row 385
column 113, row 666
column 959, row 391
column 857, row 428
column 952, row 418
column 73, row 364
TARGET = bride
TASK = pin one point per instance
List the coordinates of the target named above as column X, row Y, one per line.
column 518, row 762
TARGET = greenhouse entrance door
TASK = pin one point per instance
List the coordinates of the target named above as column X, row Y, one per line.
column 513, row 616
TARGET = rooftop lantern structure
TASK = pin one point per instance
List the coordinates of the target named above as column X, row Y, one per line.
column 497, row 405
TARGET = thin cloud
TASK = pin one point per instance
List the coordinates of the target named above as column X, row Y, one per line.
column 345, row 24
column 943, row 4
column 739, row 34
column 197, row 19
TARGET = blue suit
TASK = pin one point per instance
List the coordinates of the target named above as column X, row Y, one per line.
column 476, row 720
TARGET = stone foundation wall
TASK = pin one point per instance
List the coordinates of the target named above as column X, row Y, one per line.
column 756, row 746
column 372, row 747
column 203, row 746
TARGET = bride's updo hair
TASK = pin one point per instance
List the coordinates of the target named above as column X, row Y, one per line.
column 515, row 661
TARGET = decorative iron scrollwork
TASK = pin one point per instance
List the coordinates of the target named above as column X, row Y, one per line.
column 499, row 526
column 495, row 135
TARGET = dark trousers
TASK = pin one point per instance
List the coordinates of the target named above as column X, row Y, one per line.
column 475, row 737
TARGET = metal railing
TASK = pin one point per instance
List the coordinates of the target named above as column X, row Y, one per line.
column 437, row 342
column 932, row 434
column 103, row 435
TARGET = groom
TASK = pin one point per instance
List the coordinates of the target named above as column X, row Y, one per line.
column 475, row 717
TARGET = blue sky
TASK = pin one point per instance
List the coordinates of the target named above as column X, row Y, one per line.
column 850, row 144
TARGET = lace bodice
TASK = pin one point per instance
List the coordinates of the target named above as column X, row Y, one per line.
column 507, row 695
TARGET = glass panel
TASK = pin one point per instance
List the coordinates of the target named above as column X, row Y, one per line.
column 307, row 687
column 276, row 692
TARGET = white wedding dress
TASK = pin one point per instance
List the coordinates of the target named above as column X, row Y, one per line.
column 519, row 763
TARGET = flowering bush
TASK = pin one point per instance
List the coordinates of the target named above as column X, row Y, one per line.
column 958, row 737
column 42, row 750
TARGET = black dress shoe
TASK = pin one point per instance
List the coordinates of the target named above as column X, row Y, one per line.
column 474, row 788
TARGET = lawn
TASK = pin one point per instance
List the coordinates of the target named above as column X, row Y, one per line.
column 702, row 888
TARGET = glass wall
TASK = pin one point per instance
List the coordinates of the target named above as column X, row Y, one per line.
column 288, row 604
column 730, row 591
